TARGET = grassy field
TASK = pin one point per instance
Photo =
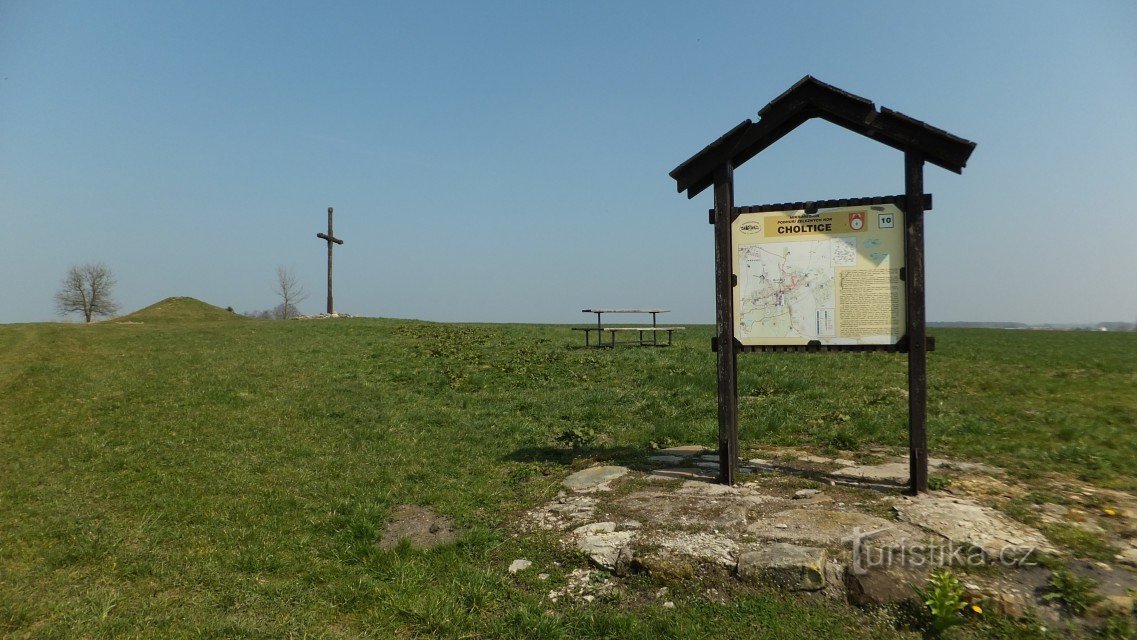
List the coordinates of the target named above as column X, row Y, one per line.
column 189, row 473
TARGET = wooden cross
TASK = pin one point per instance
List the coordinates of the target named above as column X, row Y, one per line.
column 331, row 238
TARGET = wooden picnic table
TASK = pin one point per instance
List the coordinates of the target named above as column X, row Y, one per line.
column 654, row 329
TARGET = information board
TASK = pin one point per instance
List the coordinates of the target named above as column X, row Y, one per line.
column 833, row 276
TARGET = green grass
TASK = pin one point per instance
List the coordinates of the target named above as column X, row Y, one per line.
column 181, row 478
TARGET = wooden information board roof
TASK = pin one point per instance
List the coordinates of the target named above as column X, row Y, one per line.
column 811, row 98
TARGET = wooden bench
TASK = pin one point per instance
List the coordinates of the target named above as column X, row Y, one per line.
column 654, row 330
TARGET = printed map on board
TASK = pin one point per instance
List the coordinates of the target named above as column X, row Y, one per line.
column 788, row 289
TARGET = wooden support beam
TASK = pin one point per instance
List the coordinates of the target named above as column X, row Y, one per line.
column 724, row 322
column 916, row 327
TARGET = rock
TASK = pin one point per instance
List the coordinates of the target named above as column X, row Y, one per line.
column 519, row 564
column 595, row 527
column 762, row 464
column 891, row 472
column 666, row 459
column 1011, row 604
column 835, row 579
column 828, row 527
column 882, row 585
column 814, row 459
column 965, row 523
column 708, row 489
column 709, row 458
column 712, row 466
column 607, row 549
column 704, row 547
column 542, row 576
column 842, row 462
column 594, row 478
column 666, row 566
column 1128, row 557
column 786, row 566
column 802, row 494
column 686, row 451
column 687, row 508
column 564, row 511
column 683, row 473
column 582, row 584
column 669, row 605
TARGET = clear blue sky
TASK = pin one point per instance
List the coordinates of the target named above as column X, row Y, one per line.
column 508, row 161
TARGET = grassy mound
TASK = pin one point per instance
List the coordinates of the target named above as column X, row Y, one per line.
column 180, row 309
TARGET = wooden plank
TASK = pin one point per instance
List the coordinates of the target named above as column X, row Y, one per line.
column 704, row 162
column 916, row 329
column 625, row 310
column 644, row 328
column 724, row 324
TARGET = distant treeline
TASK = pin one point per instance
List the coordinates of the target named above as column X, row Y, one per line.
column 1101, row 326
column 979, row 325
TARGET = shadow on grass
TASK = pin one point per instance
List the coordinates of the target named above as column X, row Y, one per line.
column 623, row 456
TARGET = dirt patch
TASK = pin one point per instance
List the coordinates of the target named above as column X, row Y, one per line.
column 421, row 526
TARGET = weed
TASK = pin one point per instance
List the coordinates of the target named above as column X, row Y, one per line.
column 944, row 596
column 1116, row 628
column 938, row 483
column 578, row 438
column 1074, row 593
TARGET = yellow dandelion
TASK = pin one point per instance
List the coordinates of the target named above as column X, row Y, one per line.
column 1110, row 512
column 977, row 609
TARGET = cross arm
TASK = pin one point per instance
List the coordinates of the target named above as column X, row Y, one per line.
column 324, row 236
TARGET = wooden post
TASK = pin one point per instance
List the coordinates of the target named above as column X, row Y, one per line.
column 724, row 321
column 330, row 238
column 916, row 329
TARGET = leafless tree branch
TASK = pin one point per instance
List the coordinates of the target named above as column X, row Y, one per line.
column 87, row 289
column 291, row 293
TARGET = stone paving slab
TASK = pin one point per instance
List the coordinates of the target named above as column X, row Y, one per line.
column 683, row 473
column 685, row 451
column 687, row 510
column 893, row 472
column 594, row 478
column 964, row 522
column 833, row 528
column 678, row 530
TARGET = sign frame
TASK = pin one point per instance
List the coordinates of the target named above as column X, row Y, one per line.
column 811, row 206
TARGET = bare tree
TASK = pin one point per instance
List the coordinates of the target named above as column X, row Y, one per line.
column 291, row 293
column 87, row 289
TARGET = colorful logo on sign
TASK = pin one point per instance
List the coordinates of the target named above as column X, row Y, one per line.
column 857, row 220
